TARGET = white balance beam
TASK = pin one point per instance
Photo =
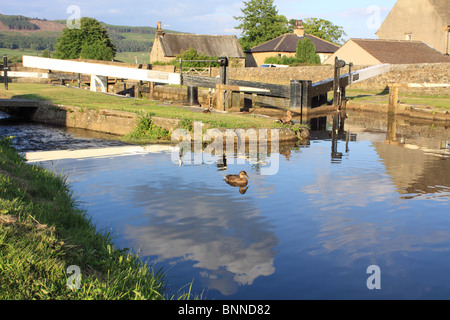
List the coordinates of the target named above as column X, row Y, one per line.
column 101, row 70
column 367, row 73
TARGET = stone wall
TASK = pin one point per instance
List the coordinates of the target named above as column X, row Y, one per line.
column 408, row 73
column 412, row 73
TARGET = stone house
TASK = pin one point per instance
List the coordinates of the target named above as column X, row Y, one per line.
column 286, row 45
column 378, row 51
column 168, row 45
column 423, row 20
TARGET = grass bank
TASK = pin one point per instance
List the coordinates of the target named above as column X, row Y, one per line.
column 376, row 97
column 98, row 101
column 44, row 231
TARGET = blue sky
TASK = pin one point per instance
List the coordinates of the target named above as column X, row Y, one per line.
column 359, row 18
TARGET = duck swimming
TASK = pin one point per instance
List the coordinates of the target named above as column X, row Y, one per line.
column 237, row 180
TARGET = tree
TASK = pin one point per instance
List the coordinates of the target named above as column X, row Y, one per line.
column 260, row 23
column 97, row 51
column 306, row 52
column 322, row 28
column 91, row 41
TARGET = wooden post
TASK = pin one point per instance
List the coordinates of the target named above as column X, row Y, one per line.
column 223, row 73
column 342, row 100
column 151, row 89
column 5, row 70
column 137, row 91
column 235, row 99
column 295, row 94
column 247, row 101
column 220, row 97
column 393, row 97
column 192, row 96
column 336, row 83
column 306, row 95
column 181, row 71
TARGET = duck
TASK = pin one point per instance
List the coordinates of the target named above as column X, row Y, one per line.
column 237, row 180
column 208, row 110
column 286, row 119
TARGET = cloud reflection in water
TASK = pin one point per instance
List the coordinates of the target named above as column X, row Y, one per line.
column 225, row 237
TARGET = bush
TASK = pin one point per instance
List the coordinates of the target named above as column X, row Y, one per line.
column 146, row 129
column 306, row 51
column 305, row 55
column 282, row 60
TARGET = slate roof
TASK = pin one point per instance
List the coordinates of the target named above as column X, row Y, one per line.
column 401, row 51
column 288, row 43
column 211, row 45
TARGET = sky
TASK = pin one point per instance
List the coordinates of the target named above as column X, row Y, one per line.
column 359, row 18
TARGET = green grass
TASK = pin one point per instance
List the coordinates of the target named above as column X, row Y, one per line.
column 44, row 230
column 15, row 55
column 382, row 97
column 146, row 132
column 98, row 101
column 132, row 57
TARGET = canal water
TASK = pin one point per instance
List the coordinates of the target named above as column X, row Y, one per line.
column 361, row 211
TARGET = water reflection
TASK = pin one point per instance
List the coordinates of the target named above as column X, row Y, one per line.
column 417, row 168
column 227, row 239
column 309, row 231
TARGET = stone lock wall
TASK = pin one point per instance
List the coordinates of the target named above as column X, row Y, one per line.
column 408, row 73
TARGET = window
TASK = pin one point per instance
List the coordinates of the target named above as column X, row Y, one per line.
column 409, row 36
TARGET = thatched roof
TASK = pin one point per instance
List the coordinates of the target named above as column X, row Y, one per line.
column 211, row 45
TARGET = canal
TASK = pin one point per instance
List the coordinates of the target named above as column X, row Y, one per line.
column 375, row 193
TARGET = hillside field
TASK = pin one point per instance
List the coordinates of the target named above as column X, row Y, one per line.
column 30, row 36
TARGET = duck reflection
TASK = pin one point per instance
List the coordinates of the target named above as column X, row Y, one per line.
column 243, row 190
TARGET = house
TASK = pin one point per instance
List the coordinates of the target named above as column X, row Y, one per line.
column 423, row 20
column 377, row 51
column 286, row 45
column 168, row 45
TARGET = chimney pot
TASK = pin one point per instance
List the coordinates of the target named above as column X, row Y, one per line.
column 159, row 31
column 299, row 30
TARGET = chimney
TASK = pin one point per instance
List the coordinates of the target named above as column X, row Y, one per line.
column 299, row 30
column 159, row 31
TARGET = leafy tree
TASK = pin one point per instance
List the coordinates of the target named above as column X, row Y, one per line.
column 74, row 43
column 306, row 52
column 260, row 23
column 322, row 28
column 305, row 55
column 97, row 51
